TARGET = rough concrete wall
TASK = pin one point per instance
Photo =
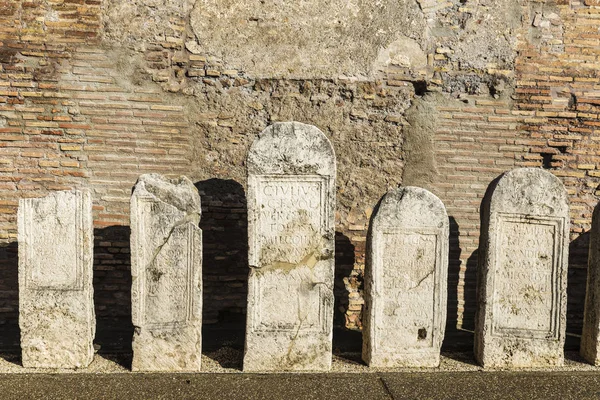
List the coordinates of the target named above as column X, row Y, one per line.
column 444, row 94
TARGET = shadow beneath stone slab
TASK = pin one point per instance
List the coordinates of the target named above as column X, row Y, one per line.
column 470, row 292
column 458, row 338
column 347, row 286
column 112, row 293
column 347, row 345
column 10, row 345
column 226, row 357
column 349, row 358
column 461, row 356
column 576, row 288
column 574, row 356
column 224, row 224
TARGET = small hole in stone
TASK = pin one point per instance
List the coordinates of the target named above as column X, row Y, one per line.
column 422, row 333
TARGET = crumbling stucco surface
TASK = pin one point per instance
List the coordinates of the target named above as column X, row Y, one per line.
column 313, row 39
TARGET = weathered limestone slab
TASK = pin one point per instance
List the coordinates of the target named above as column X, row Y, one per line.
column 406, row 281
column 291, row 204
column 56, row 305
column 166, row 270
column 590, row 336
column 522, row 282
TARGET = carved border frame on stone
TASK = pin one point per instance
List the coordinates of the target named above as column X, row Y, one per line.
column 257, row 328
column 256, row 181
column 30, row 282
column 378, row 280
column 141, row 280
column 557, row 224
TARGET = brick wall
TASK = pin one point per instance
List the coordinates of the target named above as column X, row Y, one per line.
column 78, row 110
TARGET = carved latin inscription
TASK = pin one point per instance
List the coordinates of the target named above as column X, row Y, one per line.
column 54, row 267
column 169, row 272
column 522, row 275
column 409, row 260
column 291, row 200
column 526, row 277
column 291, row 222
column 276, row 314
column 166, row 263
column 291, row 218
column 405, row 280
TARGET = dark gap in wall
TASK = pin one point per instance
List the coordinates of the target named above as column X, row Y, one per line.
column 420, row 87
column 345, row 340
column 112, row 292
column 547, row 160
column 224, row 224
column 9, row 296
column 576, row 287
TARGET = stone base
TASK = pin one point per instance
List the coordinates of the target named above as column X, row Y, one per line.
column 424, row 359
column 171, row 350
column 589, row 350
column 520, row 353
column 272, row 351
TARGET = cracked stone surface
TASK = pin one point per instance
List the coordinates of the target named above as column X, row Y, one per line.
column 522, row 281
column 406, row 280
column 291, row 205
column 166, row 269
column 56, row 305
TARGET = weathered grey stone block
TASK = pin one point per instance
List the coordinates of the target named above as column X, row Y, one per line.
column 522, row 282
column 291, row 205
column 406, row 281
column 56, row 305
column 166, row 270
column 590, row 336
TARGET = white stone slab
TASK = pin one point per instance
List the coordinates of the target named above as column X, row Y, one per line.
column 522, row 281
column 590, row 336
column 406, row 281
column 56, row 305
column 291, row 205
column 166, row 269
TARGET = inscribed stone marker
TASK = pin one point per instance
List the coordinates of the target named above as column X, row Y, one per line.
column 590, row 336
column 406, row 281
column 521, row 318
column 56, row 305
column 166, row 269
column 291, row 205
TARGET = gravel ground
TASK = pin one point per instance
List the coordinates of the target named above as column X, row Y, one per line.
column 229, row 360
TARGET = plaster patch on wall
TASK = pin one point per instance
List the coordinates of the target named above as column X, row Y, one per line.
column 136, row 22
column 305, row 39
column 403, row 52
column 488, row 35
column 422, row 118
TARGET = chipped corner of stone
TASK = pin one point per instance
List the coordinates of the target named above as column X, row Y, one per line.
column 180, row 192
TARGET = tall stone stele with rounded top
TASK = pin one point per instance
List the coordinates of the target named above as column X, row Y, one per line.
column 522, row 281
column 166, row 271
column 406, row 280
column 291, row 239
column 590, row 336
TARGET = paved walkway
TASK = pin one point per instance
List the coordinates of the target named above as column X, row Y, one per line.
column 365, row 386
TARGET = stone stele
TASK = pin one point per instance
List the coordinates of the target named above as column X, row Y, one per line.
column 522, row 281
column 291, row 204
column 590, row 336
column 406, row 281
column 166, row 270
column 56, row 297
